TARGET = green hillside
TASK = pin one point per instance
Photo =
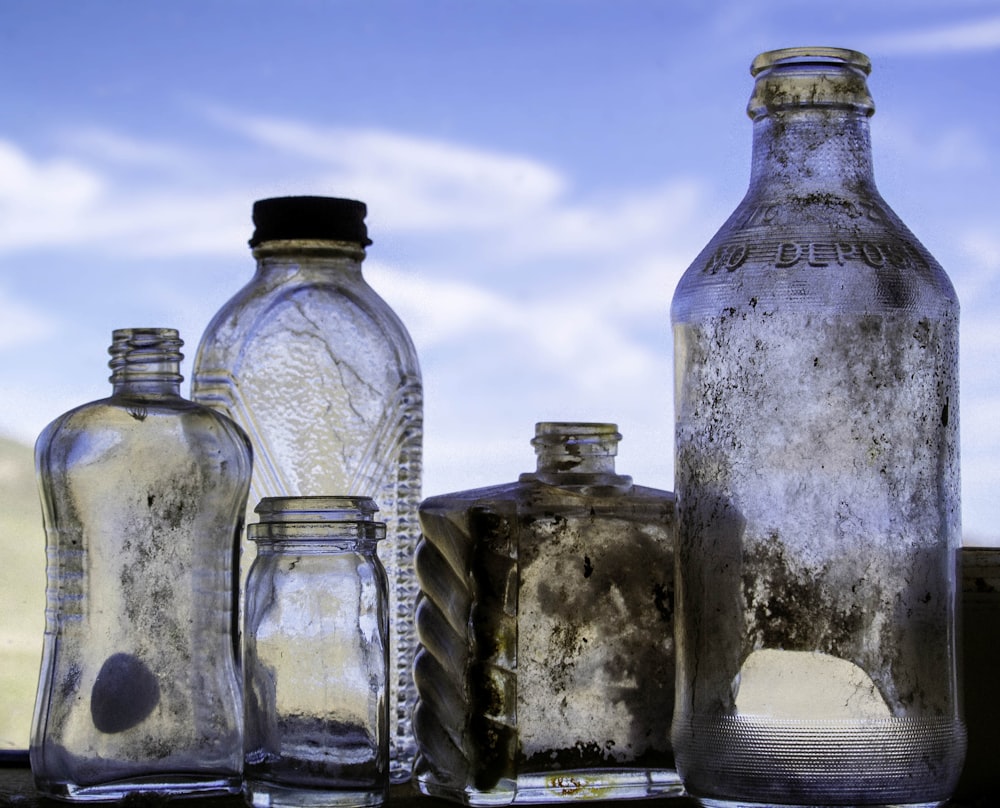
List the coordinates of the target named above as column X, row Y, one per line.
column 22, row 593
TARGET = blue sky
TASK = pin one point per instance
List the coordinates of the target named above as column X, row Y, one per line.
column 538, row 176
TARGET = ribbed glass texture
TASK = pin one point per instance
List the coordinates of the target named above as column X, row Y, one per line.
column 316, row 656
column 817, row 473
column 545, row 623
column 324, row 378
column 143, row 496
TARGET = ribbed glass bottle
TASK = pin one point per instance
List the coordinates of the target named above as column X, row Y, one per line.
column 545, row 669
column 143, row 497
column 817, row 474
column 324, row 378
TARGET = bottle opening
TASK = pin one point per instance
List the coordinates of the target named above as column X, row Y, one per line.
column 316, row 520
column 811, row 56
column 818, row 77
column 152, row 354
column 577, row 437
column 316, row 509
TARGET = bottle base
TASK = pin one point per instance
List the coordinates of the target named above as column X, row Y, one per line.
column 562, row 786
column 270, row 795
column 172, row 787
column 714, row 803
column 747, row 761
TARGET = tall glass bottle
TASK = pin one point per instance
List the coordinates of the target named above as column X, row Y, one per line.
column 143, row 496
column 816, row 347
column 545, row 667
column 324, row 378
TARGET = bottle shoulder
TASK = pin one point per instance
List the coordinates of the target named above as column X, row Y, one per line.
column 142, row 430
column 312, row 311
column 525, row 496
column 814, row 251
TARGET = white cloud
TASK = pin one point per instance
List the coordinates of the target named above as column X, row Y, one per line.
column 974, row 35
column 22, row 322
column 414, row 182
column 110, row 146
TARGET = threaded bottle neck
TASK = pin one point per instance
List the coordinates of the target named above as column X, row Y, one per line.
column 316, row 519
column 579, row 456
column 146, row 361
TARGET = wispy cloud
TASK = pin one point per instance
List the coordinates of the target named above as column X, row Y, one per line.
column 600, row 267
column 22, row 322
column 973, row 35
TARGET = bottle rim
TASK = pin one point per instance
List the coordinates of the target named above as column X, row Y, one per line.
column 316, row 509
column 811, row 55
column 152, row 353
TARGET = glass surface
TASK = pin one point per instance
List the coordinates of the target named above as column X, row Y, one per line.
column 325, row 380
column 545, row 621
column 817, row 474
column 143, row 495
column 315, row 656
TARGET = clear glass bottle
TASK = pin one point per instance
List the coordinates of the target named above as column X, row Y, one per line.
column 316, row 655
column 324, row 378
column 143, row 496
column 545, row 663
column 817, row 475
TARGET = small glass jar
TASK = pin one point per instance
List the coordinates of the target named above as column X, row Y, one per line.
column 315, row 655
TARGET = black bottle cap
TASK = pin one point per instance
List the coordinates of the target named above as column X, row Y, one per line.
column 309, row 217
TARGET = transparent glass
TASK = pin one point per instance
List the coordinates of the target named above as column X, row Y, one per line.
column 143, row 496
column 817, row 474
column 324, row 378
column 316, row 655
column 545, row 666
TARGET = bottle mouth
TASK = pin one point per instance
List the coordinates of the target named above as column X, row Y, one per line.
column 316, row 509
column 818, row 77
column 575, row 437
column 139, row 354
column 316, row 521
column 811, row 56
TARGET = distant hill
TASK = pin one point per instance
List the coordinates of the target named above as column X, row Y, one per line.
column 22, row 593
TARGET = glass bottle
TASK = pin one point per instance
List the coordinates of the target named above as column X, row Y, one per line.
column 324, row 378
column 545, row 662
column 316, row 655
column 817, row 478
column 143, row 496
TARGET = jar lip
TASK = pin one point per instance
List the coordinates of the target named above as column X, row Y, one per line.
column 313, row 509
column 811, row 55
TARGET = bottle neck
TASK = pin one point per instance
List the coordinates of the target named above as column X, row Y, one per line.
column 577, row 455
column 311, row 259
column 812, row 151
column 810, row 108
column 146, row 362
column 322, row 523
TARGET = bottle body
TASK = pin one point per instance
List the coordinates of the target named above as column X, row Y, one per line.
column 324, row 378
column 143, row 497
column 816, row 346
column 545, row 661
column 316, row 656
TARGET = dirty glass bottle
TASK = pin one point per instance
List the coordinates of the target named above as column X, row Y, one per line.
column 316, row 655
column 324, row 378
column 545, row 666
column 817, row 475
column 143, row 496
